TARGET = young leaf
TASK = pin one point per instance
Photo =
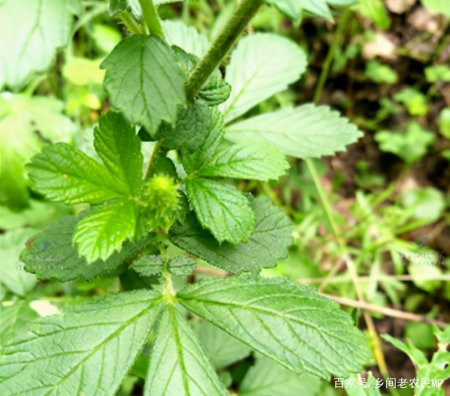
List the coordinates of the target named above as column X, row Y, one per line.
column 254, row 76
column 51, row 255
column 294, row 8
column 185, row 37
column 211, row 127
column 148, row 265
column 307, row 131
column 119, row 148
column 64, row 174
column 259, row 161
column 144, row 81
column 178, row 365
column 103, row 231
column 266, row 377
column 36, row 29
column 182, row 265
column 268, row 243
column 12, row 276
column 222, row 209
column 288, row 322
column 87, row 350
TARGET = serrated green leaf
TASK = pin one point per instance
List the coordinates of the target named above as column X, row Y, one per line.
column 266, row 377
column 148, row 265
column 210, row 125
column 182, row 265
column 222, row 209
column 65, row 174
column 307, row 131
column 288, row 322
column 22, row 120
column 96, row 345
column 36, row 29
column 178, row 365
column 255, row 77
column 144, row 81
column 186, row 37
column 12, row 275
column 268, row 243
column 294, row 8
column 105, row 229
column 51, row 255
column 215, row 91
column 119, row 148
column 222, row 349
column 14, row 318
column 260, row 161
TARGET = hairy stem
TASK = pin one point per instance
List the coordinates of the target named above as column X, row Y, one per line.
column 222, row 45
column 151, row 18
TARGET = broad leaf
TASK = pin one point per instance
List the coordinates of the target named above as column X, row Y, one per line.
column 119, row 148
column 22, row 120
column 87, row 350
column 64, row 174
column 104, row 231
column 259, row 161
column 222, row 209
column 307, row 131
column 266, row 377
column 32, row 31
column 294, row 8
column 14, row 320
column 144, row 81
column 51, row 255
column 268, row 243
column 222, row 349
column 178, row 365
column 12, row 275
column 288, row 322
column 254, row 76
column 185, row 37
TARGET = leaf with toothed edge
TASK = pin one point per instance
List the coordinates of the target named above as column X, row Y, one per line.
column 307, row 131
column 288, row 322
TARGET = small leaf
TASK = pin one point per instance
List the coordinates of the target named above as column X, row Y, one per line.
column 64, row 174
column 51, row 255
column 119, row 148
column 148, row 265
column 222, row 209
column 215, row 91
column 254, row 76
column 178, row 365
column 288, row 322
column 268, row 243
column 210, row 125
column 44, row 27
column 182, row 265
column 144, row 81
column 104, row 230
column 260, row 161
column 12, row 275
column 87, row 350
column 307, row 131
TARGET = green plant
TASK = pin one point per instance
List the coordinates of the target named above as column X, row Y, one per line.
column 150, row 216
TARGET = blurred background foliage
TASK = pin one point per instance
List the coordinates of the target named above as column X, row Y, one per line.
column 386, row 66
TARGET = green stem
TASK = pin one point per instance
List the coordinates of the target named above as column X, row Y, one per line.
column 222, row 45
column 130, row 23
column 151, row 18
column 337, row 39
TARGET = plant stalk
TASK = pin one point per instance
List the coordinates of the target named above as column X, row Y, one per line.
column 151, row 18
column 222, row 45
column 130, row 23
